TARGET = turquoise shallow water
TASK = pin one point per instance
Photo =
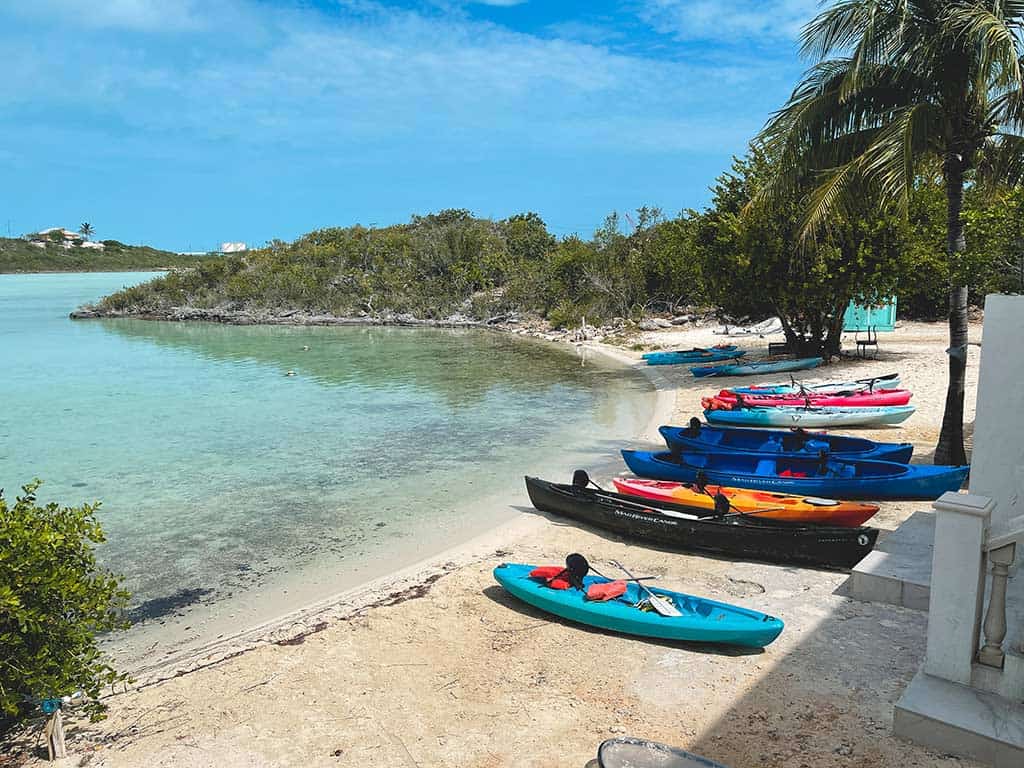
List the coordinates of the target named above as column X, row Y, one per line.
column 220, row 474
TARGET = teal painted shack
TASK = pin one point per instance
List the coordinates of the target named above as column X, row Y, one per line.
column 877, row 317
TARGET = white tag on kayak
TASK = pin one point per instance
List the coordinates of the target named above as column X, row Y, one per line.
column 814, row 501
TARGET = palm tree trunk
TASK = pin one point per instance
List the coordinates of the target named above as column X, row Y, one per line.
column 950, row 449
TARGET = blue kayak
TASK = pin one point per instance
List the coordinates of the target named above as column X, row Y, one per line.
column 695, row 355
column 751, row 369
column 822, row 477
column 703, row 621
column 703, row 438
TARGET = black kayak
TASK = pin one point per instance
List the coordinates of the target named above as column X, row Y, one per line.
column 637, row 753
column 673, row 525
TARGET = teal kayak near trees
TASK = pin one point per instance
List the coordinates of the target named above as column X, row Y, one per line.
column 701, row 620
column 695, row 355
column 756, row 368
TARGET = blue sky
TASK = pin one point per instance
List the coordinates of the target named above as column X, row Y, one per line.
column 184, row 123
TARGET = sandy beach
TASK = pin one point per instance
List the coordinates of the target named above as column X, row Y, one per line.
column 438, row 666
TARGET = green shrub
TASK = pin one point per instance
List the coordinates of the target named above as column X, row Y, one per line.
column 54, row 601
column 567, row 315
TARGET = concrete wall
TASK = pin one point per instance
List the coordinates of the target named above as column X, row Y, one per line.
column 997, row 461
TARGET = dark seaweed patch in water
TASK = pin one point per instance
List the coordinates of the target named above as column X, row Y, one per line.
column 162, row 606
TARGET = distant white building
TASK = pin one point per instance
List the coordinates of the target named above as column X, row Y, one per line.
column 66, row 233
column 232, row 247
column 69, row 238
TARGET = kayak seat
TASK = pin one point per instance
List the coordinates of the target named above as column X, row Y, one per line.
column 765, row 467
column 841, row 470
column 793, row 443
column 816, row 446
column 774, row 445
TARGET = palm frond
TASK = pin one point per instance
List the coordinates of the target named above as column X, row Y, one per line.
column 818, row 115
column 824, row 199
column 889, row 160
column 882, row 39
column 886, row 163
column 1007, row 110
column 1012, row 10
column 1002, row 161
column 998, row 63
column 836, row 29
column 865, row 52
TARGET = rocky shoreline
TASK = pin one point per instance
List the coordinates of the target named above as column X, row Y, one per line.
column 286, row 317
column 618, row 331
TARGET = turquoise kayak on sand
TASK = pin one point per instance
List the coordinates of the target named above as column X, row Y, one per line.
column 702, row 620
column 695, row 355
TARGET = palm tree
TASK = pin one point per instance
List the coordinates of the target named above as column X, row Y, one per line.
column 86, row 229
column 899, row 84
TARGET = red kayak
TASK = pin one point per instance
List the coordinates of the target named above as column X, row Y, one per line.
column 726, row 399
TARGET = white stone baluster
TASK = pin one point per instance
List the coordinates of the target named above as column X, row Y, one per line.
column 991, row 654
column 958, row 585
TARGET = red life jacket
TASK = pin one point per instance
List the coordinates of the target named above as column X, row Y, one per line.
column 552, row 575
column 607, row 590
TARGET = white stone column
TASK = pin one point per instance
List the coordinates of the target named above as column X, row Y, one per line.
column 997, row 458
column 958, row 585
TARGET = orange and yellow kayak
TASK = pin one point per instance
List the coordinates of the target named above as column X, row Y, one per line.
column 777, row 506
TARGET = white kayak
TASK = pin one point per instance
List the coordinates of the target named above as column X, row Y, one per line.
column 798, row 416
column 892, row 381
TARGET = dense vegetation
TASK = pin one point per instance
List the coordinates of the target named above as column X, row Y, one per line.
column 18, row 255
column 446, row 263
column 454, row 263
column 54, row 599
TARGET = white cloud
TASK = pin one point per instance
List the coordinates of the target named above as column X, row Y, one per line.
column 370, row 80
column 728, row 22
column 586, row 32
column 125, row 14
